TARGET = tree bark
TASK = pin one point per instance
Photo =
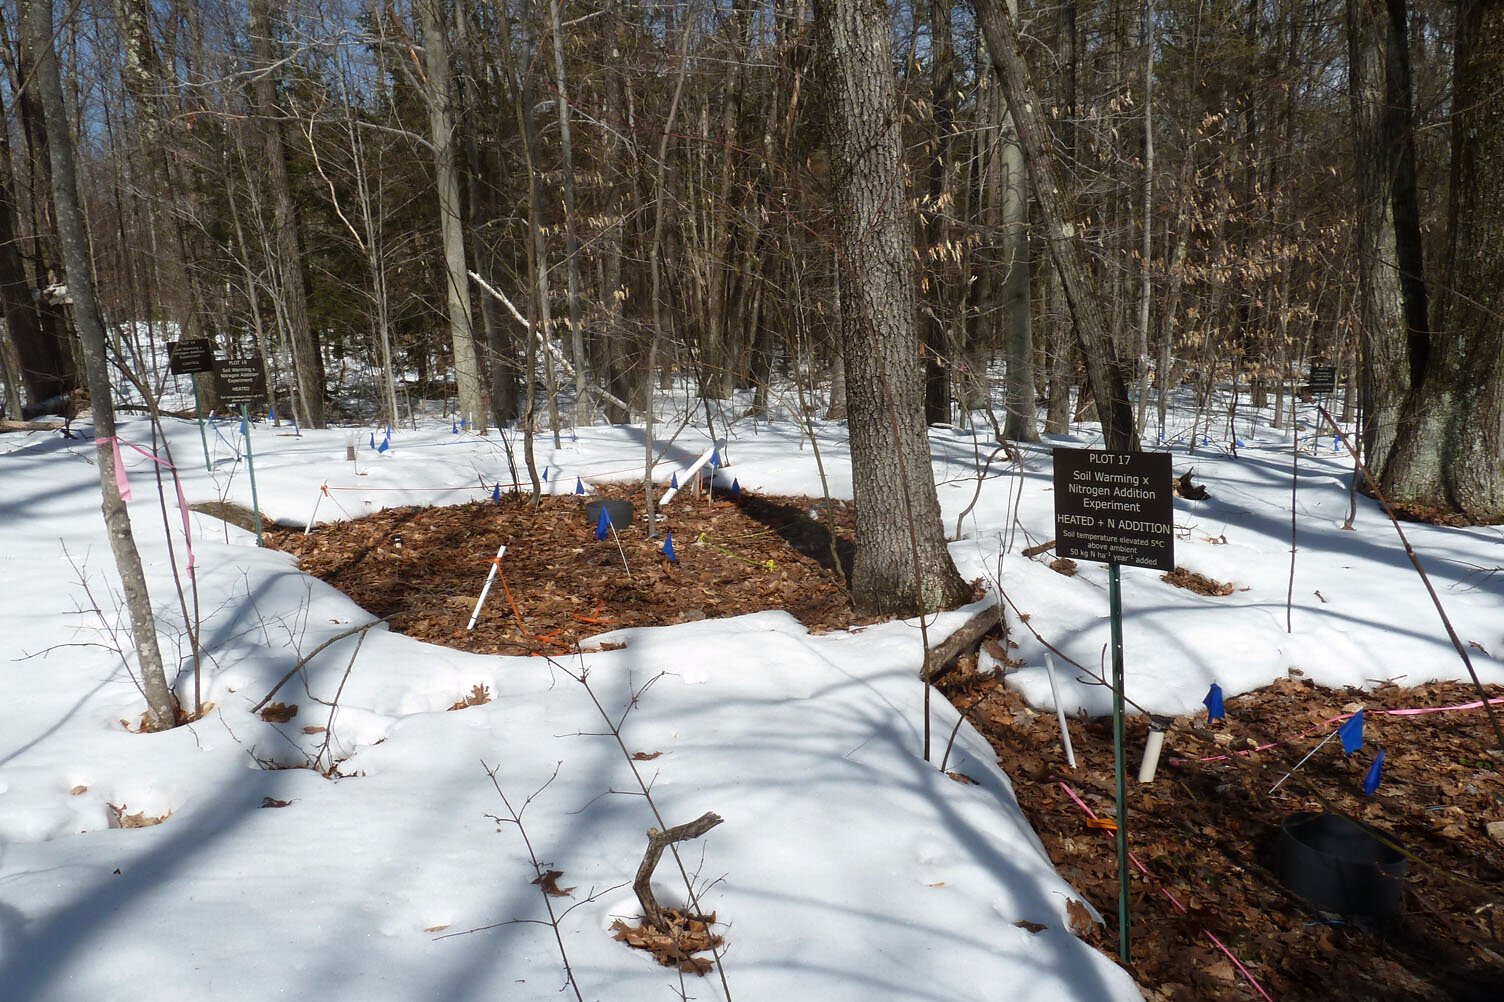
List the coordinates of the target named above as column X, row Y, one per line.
column 74, row 241
column 1381, row 135
column 1018, row 322
column 1104, row 372
column 307, row 362
column 936, row 250
column 472, row 403
column 1449, row 453
column 897, row 510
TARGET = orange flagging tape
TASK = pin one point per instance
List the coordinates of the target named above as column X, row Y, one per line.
column 1166, row 892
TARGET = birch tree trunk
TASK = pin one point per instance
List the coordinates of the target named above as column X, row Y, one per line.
column 898, row 532
column 74, row 239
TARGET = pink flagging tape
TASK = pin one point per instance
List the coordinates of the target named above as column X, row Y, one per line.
column 1176, row 901
column 125, row 489
column 122, row 483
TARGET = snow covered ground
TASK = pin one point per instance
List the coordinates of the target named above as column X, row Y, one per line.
column 846, row 868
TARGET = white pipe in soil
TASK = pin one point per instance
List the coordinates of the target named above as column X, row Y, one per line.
column 1065, row 732
column 694, row 468
column 486, row 589
column 1150, row 763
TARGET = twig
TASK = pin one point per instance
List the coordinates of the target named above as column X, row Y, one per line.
column 303, row 661
column 657, row 842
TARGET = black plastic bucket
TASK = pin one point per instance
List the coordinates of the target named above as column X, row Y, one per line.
column 1339, row 864
column 618, row 513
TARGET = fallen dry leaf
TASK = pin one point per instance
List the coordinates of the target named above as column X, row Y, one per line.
column 549, row 882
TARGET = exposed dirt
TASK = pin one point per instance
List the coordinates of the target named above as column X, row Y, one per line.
column 1203, row 829
column 559, row 584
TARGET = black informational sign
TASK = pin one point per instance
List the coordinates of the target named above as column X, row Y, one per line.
column 241, row 382
column 1115, row 508
column 1323, row 380
column 190, row 356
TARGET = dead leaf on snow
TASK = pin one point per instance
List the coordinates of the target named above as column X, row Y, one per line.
column 549, row 882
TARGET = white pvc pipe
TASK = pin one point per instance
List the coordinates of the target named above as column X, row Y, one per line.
column 1065, row 732
column 309, row 528
column 486, row 588
column 694, row 468
column 1150, row 763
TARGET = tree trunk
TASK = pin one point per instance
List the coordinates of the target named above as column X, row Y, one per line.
column 1380, row 132
column 936, row 250
column 472, row 402
column 307, row 363
column 571, row 222
column 1018, row 330
column 1449, row 453
column 1104, row 372
column 74, row 240
column 902, row 565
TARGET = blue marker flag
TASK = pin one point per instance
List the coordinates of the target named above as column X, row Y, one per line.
column 603, row 524
column 1352, row 733
column 736, row 488
column 1213, row 701
column 373, row 440
column 715, row 458
column 454, row 427
column 579, row 487
column 496, row 492
column 386, row 443
column 668, row 548
column 545, row 474
column 1375, row 774
column 673, row 481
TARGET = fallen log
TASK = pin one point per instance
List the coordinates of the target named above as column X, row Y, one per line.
column 964, row 639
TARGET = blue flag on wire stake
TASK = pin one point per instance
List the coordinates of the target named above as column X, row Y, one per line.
column 668, row 548
column 464, row 422
column 736, row 488
column 1351, row 733
column 496, row 492
column 545, row 474
column 373, row 440
column 386, row 443
column 715, row 458
column 603, row 524
column 579, row 486
column 1213, row 701
column 1375, row 774
column 454, row 427
column 673, row 481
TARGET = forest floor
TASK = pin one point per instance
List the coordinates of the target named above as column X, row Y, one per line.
column 1203, row 831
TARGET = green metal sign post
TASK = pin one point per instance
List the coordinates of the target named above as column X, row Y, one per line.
column 1115, row 508
column 244, row 383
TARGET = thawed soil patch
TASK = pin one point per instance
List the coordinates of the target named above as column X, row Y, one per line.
column 559, row 584
column 1205, row 830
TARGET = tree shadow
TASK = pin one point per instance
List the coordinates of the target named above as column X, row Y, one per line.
column 804, row 533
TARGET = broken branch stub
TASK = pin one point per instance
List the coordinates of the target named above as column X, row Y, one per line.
column 652, row 913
